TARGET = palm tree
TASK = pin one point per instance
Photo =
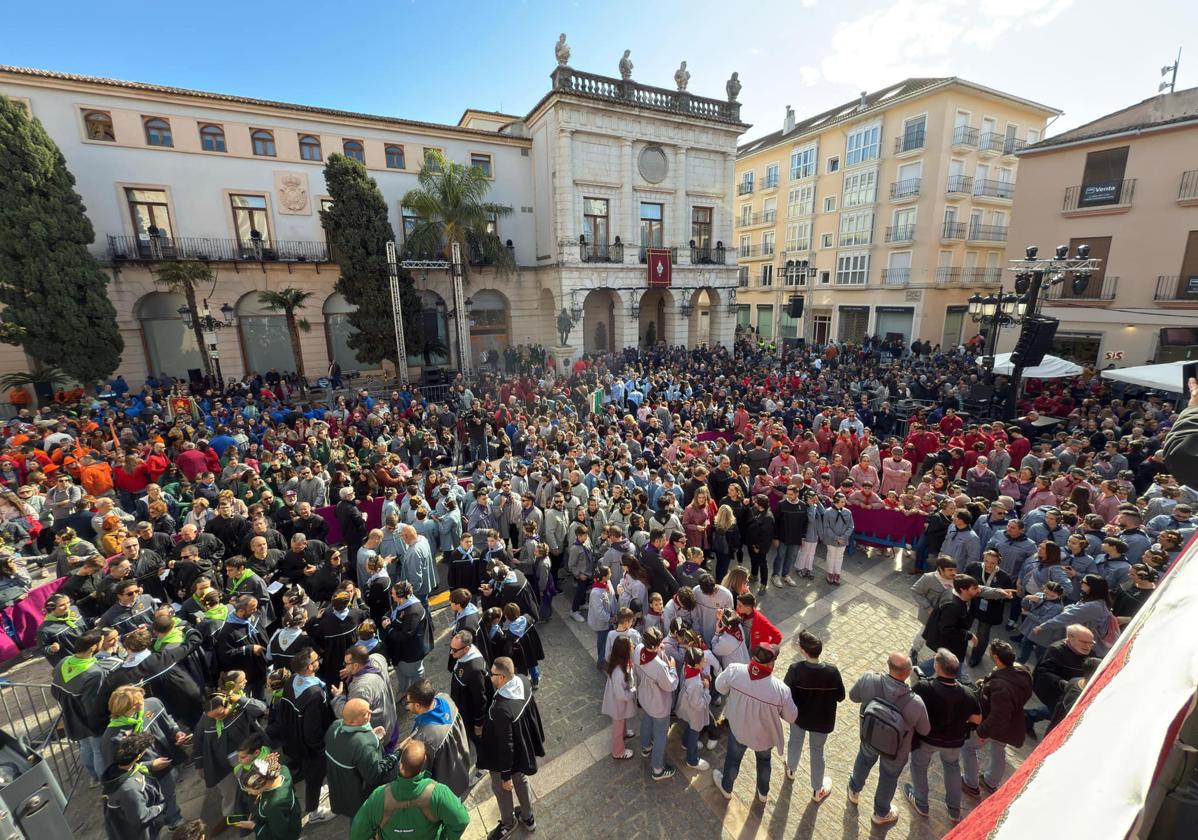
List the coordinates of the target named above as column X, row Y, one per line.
column 287, row 300
column 452, row 207
column 182, row 278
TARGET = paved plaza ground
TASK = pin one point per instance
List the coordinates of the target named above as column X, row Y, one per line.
column 580, row 792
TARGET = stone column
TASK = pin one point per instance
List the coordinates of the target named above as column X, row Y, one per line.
column 629, row 222
column 682, row 209
column 725, row 208
column 567, row 223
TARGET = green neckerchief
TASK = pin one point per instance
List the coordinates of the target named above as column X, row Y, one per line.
column 240, row 768
column 140, row 768
column 277, row 694
column 220, row 726
column 73, row 666
column 240, row 579
column 199, row 599
column 138, row 723
column 173, row 637
column 70, row 619
column 218, row 613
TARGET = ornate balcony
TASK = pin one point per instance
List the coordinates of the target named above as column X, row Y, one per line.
column 214, row 249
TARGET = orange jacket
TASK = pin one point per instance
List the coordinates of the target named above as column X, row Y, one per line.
column 96, row 479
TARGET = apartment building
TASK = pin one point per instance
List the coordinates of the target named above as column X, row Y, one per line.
column 597, row 173
column 1125, row 184
column 885, row 213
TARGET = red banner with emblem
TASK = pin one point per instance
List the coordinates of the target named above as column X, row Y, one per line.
column 659, row 267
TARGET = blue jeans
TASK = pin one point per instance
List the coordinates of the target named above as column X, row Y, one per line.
column 601, row 645
column 690, row 740
column 1026, row 648
column 534, row 673
column 166, row 782
column 784, row 559
column 407, row 673
column 950, row 760
column 921, row 552
column 736, row 752
column 93, row 761
column 969, row 761
column 795, row 748
column 888, row 775
column 654, row 730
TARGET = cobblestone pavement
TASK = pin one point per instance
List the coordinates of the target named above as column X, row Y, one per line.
column 581, row 792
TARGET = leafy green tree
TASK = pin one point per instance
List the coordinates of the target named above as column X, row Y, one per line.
column 54, row 294
column 287, row 300
column 182, row 278
column 358, row 233
column 451, row 203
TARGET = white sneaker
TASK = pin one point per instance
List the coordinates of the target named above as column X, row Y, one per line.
column 789, row 581
column 824, row 791
column 777, row 581
column 701, row 767
column 853, row 796
column 889, row 818
column 577, row 616
column 762, row 797
column 319, row 815
column 717, row 776
column 790, row 774
column 712, row 743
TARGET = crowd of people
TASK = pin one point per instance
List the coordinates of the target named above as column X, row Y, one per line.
column 225, row 605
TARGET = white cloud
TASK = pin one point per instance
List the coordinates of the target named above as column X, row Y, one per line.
column 913, row 38
column 808, row 4
column 810, row 76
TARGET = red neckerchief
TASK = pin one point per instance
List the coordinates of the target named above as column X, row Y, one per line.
column 599, row 584
column 647, row 656
column 758, row 671
column 737, row 632
column 657, row 613
column 688, row 672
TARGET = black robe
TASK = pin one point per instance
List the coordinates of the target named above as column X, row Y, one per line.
column 513, row 737
column 515, row 590
column 256, row 586
column 525, row 650
column 333, row 636
column 212, row 748
column 233, row 648
column 471, row 691
column 471, row 621
column 280, row 657
column 298, row 723
column 161, row 675
column 465, row 569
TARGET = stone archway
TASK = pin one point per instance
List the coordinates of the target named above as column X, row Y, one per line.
column 657, row 313
column 170, row 346
column 602, row 328
column 704, row 324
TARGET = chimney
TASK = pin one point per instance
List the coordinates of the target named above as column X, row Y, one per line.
column 788, row 124
column 861, row 105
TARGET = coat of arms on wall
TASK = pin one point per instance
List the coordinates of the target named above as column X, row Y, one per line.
column 292, row 190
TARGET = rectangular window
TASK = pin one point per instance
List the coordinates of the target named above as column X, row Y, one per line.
column 149, row 213
column 1102, row 181
column 771, row 177
column 746, row 246
column 765, row 320
column 802, row 163
column 769, row 211
column 652, row 217
column 821, row 327
column 250, row 217
column 798, row 236
column 829, row 204
column 594, row 220
column 409, row 220
column 744, row 316
column 742, row 276
column 825, row 240
column 856, row 228
column 833, row 164
column 746, row 215
column 863, row 144
column 430, row 157
column 767, row 243
column 767, row 274
column 746, row 182
column 914, row 134
column 701, row 226
column 852, row 269
column 481, row 162
column 800, row 201
column 1033, row 136
column 860, row 188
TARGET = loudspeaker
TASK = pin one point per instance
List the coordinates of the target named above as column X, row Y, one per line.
column 794, row 307
column 1034, row 341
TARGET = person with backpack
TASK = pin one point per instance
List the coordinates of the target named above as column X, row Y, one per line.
column 816, row 688
column 413, row 805
column 757, row 704
column 891, row 714
column 950, row 707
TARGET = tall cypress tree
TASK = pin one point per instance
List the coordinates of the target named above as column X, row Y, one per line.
column 52, row 289
column 358, row 233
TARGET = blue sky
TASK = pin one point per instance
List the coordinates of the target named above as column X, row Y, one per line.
column 430, row 60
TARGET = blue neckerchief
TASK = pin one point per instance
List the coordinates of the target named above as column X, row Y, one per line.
column 369, row 644
column 341, row 614
column 469, row 609
column 518, row 627
column 300, row 683
column 233, row 618
column 398, row 608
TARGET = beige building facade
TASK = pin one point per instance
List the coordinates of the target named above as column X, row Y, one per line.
column 885, row 214
column 598, row 171
column 1127, row 186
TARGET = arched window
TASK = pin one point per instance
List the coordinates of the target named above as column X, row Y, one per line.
column 488, row 322
column 264, row 337
column 158, row 132
column 99, row 126
column 395, row 157
column 263, row 141
column 309, row 147
column 435, row 326
column 353, row 149
column 170, row 346
column 338, row 330
column 212, row 138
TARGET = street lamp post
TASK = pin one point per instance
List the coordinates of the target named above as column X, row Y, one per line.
column 209, row 326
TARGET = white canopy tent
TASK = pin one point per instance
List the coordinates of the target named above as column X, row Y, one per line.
column 1163, row 377
column 1050, row 368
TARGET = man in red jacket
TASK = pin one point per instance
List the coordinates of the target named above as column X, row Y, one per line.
column 761, row 629
column 191, row 461
column 156, row 462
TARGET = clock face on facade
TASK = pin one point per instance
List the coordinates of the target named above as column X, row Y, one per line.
column 653, row 165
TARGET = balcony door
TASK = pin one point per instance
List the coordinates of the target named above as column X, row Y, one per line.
column 1102, row 180
column 1100, row 249
column 594, row 221
column 652, row 216
column 1187, row 288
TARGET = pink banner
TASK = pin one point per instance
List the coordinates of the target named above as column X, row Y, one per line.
column 886, row 527
column 26, row 616
column 704, row 436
